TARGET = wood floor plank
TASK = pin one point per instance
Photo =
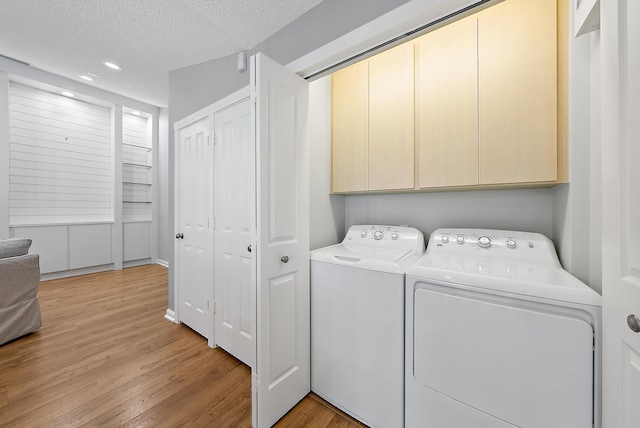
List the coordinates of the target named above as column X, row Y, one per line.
column 105, row 356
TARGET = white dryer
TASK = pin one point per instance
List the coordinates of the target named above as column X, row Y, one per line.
column 357, row 321
column 499, row 335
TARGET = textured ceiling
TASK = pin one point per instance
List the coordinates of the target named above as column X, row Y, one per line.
column 148, row 38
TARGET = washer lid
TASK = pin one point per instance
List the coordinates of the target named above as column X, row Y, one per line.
column 547, row 281
column 392, row 260
column 375, row 247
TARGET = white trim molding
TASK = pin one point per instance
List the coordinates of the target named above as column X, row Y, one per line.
column 406, row 18
column 162, row 263
column 170, row 315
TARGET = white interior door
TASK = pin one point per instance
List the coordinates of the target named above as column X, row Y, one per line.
column 281, row 376
column 235, row 228
column 194, row 237
column 620, row 37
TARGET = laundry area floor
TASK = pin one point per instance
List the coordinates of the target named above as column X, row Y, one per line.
column 106, row 356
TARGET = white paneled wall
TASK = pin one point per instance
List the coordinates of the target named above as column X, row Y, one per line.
column 60, row 159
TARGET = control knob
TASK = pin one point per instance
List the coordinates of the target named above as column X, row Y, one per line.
column 445, row 239
column 378, row 235
column 511, row 243
column 460, row 239
column 484, row 242
column 395, row 236
column 363, row 233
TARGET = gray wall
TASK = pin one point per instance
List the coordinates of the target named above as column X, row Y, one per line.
column 578, row 204
column 326, row 218
column 529, row 210
column 193, row 88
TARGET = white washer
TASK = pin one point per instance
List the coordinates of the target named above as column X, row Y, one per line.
column 499, row 335
column 357, row 321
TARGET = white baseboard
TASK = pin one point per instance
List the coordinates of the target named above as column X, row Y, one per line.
column 75, row 272
column 170, row 315
column 134, row 263
column 163, row 263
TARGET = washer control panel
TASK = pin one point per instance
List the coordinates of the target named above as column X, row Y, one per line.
column 385, row 236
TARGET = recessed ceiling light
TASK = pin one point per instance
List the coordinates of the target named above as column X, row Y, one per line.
column 85, row 77
column 67, row 94
column 112, row 66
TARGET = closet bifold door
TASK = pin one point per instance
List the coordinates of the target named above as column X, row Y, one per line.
column 281, row 376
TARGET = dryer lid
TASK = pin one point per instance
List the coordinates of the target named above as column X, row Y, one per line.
column 502, row 261
column 505, row 277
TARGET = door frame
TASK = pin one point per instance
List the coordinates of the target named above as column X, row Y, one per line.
column 202, row 115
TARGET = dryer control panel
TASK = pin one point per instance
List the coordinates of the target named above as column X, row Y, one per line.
column 498, row 243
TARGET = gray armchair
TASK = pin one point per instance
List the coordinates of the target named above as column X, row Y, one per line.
column 19, row 280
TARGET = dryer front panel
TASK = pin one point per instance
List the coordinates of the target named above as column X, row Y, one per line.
column 524, row 363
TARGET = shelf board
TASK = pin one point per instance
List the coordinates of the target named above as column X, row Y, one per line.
column 137, row 164
column 136, row 202
column 136, row 184
column 137, row 146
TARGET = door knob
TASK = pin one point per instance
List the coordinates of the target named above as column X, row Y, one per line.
column 284, row 259
column 249, row 248
column 179, row 236
column 634, row 323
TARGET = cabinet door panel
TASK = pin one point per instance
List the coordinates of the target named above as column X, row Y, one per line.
column 90, row 245
column 517, row 56
column 350, row 128
column 447, row 106
column 391, row 119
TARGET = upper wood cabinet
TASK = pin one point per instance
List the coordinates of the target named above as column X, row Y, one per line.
column 350, row 133
column 518, row 96
column 447, row 106
column 391, row 121
column 484, row 110
column 373, row 123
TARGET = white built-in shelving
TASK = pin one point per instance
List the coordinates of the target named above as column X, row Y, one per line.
column 80, row 180
column 137, row 164
column 137, row 188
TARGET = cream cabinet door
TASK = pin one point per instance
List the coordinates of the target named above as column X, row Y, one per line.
column 350, row 149
column 517, row 63
column 447, row 106
column 391, row 119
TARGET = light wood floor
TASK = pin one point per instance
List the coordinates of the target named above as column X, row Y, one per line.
column 105, row 356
